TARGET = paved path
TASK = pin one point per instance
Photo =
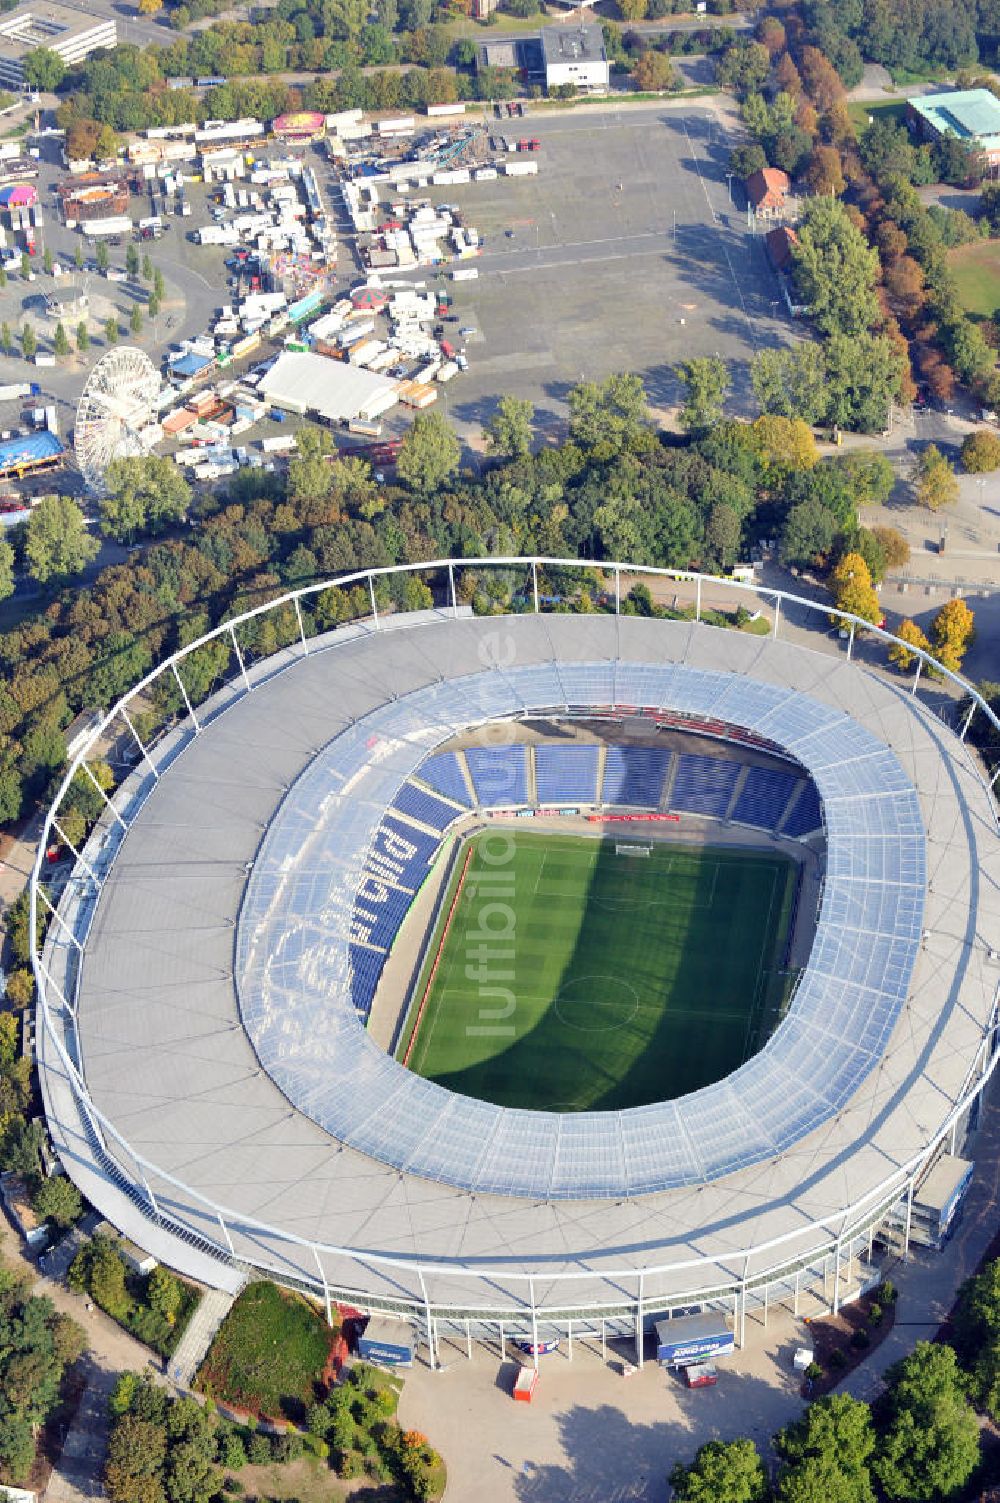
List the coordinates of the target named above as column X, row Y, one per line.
column 78, row 1476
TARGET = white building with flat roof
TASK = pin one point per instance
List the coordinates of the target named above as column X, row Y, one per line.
column 71, row 34
column 574, row 54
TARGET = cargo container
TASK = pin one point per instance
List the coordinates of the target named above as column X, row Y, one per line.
column 465, row 274
column 692, row 1338
column 446, row 109
column 388, row 1342
column 282, row 444
column 521, row 169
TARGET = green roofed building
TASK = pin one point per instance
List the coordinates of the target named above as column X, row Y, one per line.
column 973, row 115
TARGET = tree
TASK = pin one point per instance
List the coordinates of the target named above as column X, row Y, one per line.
column 722, row 535
column 149, row 7
column 135, row 320
column 78, row 256
column 653, row 72
column 102, row 255
column 706, row 386
column 164, row 1293
column 60, row 342
column 784, row 444
column 25, row 265
column 147, row 268
column 823, row 171
column 143, row 495
column 153, row 305
column 158, row 285
column 910, row 633
column 29, row 342
column 827, row 1453
column 894, row 546
column 851, row 586
column 609, row 417
column 57, row 544
column 808, row 534
column 935, row 484
column 6, row 338
column 44, row 69
column 508, row 432
column 6, row 570
column 836, row 270
column 952, row 632
column 112, row 329
column 132, row 259
column 58, row 1200
column 722, row 1472
column 106, row 145
column 429, row 455
column 864, row 375
column 981, row 452
column 47, row 262
column 82, row 336
column 931, row 1446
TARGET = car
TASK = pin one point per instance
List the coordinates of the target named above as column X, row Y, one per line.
column 701, row 1375
column 467, row 330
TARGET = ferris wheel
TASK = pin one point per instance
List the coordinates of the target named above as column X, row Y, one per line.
column 117, row 404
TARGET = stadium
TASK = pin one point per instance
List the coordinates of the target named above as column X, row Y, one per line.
column 528, row 972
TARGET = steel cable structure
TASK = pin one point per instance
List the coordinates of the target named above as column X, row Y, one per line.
column 211, row 1089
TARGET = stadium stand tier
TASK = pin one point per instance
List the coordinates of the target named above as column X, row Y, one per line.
column 704, row 785
column 764, row 797
column 566, row 774
column 444, row 775
column 500, row 774
column 634, row 776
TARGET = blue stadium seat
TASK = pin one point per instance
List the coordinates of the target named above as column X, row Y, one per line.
column 805, row 816
column 704, row 785
column 634, row 775
column 500, row 774
column 377, row 917
column 444, row 775
column 764, row 797
column 366, row 968
column 566, row 774
column 425, row 807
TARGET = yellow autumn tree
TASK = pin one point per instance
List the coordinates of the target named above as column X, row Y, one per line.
column 910, row 633
column 951, row 631
column 850, row 584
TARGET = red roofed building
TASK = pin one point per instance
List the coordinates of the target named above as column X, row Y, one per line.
column 767, row 190
column 779, row 244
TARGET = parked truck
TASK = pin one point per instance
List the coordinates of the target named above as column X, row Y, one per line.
column 388, row 1342
column 689, row 1339
column 18, row 390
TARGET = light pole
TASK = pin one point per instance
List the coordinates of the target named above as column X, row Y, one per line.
column 729, row 189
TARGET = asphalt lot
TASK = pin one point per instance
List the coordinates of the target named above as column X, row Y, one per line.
column 628, row 253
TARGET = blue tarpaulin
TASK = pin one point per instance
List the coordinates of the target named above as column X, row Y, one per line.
column 189, row 365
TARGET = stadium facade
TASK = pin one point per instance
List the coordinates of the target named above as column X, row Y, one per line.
column 210, row 1084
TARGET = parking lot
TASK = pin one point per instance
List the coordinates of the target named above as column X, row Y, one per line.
column 626, row 252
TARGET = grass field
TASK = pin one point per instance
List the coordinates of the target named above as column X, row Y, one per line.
column 632, row 979
column 879, row 109
column 977, row 276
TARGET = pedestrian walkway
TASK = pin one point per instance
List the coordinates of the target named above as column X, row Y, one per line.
column 77, row 1478
column 212, row 1310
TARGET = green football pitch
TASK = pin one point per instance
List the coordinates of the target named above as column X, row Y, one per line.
column 607, row 980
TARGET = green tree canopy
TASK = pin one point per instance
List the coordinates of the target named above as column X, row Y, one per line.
column 145, row 495
column 44, row 69
column 429, row 455
column 931, row 1446
column 508, row 432
column 836, row 271
column 722, row 1472
column 57, row 544
column 706, row 386
column 610, row 416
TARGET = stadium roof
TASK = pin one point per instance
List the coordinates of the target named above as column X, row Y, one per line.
column 970, row 114
column 899, row 993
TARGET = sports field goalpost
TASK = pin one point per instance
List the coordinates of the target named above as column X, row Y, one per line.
column 632, row 848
